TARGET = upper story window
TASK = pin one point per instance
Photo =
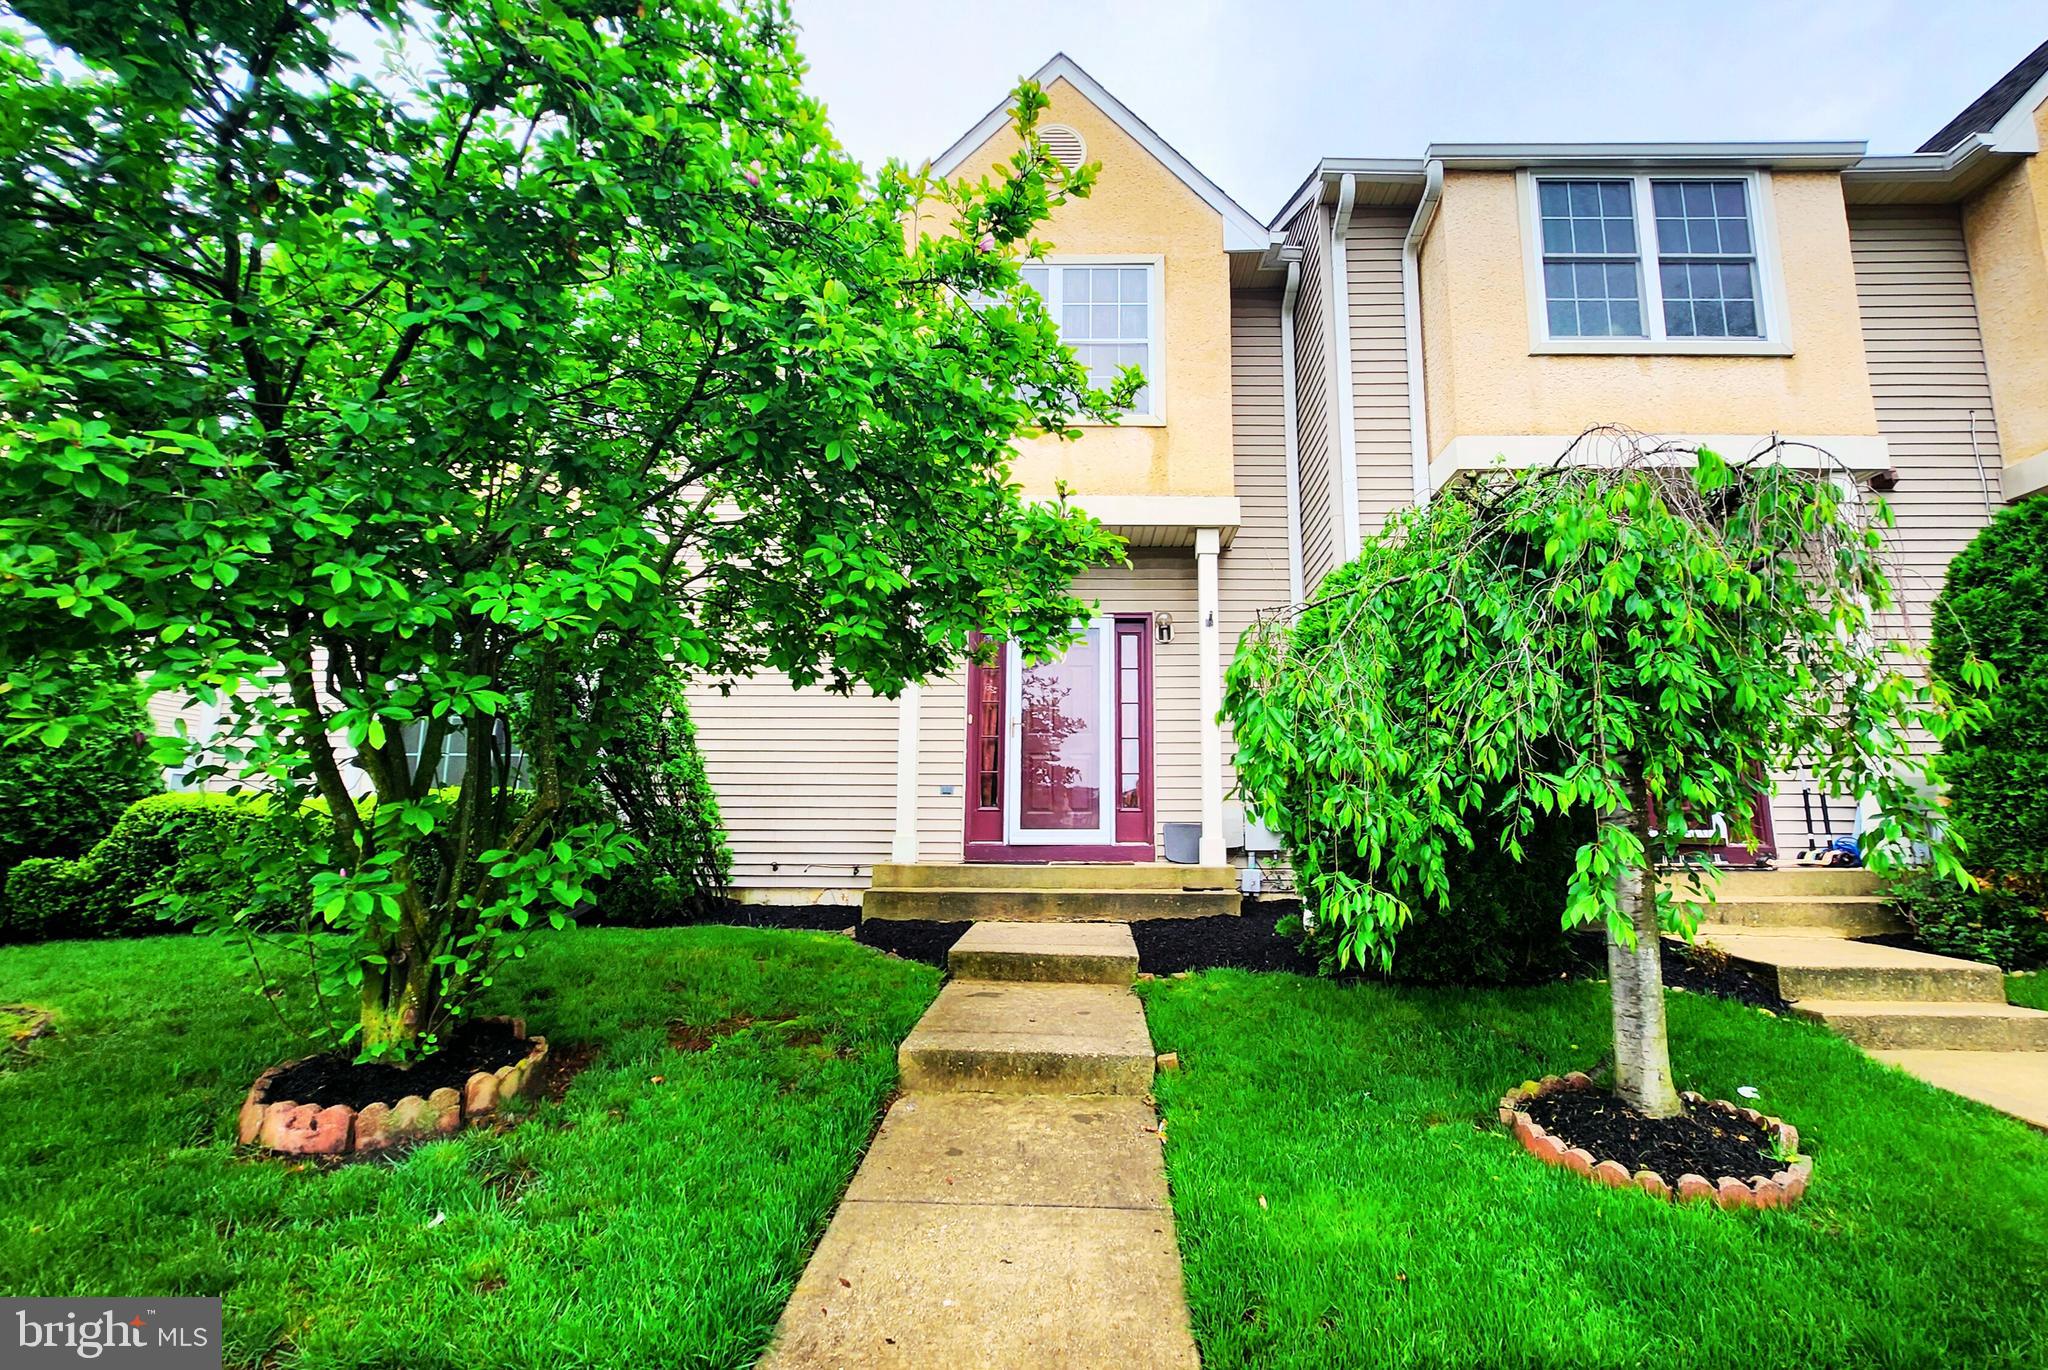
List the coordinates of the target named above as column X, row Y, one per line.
column 1108, row 312
column 1651, row 263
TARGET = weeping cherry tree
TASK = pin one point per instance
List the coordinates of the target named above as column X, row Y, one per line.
column 1641, row 631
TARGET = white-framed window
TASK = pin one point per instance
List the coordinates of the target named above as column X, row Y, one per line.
column 454, row 762
column 1108, row 310
column 1652, row 261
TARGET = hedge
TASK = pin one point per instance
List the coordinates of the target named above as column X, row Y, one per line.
column 1994, row 606
column 163, row 841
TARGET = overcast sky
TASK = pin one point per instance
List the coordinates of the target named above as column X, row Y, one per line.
column 1255, row 91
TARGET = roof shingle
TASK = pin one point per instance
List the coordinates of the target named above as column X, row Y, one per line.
column 1986, row 110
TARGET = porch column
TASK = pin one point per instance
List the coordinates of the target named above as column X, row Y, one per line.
column 903, row 847
column 1208, row 544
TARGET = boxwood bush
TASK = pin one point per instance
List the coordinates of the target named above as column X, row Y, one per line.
column 2003, row 925
column 57, row 800
column 164, row 842
column 1503, row 923
column 1994, row 607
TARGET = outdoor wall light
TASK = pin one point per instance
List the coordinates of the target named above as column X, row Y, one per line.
column 1162, row 627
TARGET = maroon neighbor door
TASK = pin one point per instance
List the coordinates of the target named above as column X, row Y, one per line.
column 1059, row 754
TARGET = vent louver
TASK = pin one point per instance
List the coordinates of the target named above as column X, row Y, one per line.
column 1064, row 144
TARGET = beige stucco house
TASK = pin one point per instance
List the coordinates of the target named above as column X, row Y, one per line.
column 1397, row 322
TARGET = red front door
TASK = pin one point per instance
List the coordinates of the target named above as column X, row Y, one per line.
column 1059, row 753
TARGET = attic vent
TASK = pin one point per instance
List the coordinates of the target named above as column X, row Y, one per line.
column 1065, row 145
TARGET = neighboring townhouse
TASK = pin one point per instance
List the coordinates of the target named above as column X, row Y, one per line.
column 1400, row 322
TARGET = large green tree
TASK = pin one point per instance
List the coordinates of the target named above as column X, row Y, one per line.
column 374, row 400
column 1638, row 634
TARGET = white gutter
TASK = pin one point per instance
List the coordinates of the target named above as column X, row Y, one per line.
column 1344, row 494
column 1290, row 421
column 1411, row 325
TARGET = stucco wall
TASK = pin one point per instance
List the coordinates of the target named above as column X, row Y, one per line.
column 2006, row 227
column 1483, row 380
column 1142, row 209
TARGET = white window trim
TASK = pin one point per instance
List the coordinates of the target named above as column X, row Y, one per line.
column 1155, row 304
column 1777, row 338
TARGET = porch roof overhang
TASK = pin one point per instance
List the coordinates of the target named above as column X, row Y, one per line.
column 1164, row 520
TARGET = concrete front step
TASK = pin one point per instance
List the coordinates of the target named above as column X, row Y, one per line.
column 999, row 1038
column 1842, row 915
column 1837, row 968
column 1130, row 875
column 1025, row 904
column 1060, row 953
column 1816, row 882
column 1881, row 1025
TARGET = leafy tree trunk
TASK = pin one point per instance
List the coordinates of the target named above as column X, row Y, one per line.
column 1635, row 975
column 396, row 1007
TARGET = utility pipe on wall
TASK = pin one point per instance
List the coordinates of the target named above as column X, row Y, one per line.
column 1290, row 420
column 1411, row 323
column 1344, row 418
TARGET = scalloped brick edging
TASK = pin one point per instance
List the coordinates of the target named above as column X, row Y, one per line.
column 1780, row 1189
column 295, row 1129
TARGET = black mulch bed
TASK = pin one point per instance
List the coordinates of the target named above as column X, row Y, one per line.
column 1167, row 946
column 1703, row 970
column 330, row 1079
column 910, row 938
column 1704, row 1140
column 804, row 917
column 1698, row 970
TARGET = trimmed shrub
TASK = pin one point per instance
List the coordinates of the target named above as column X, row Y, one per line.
column 167, row 843
column 1994, row 607
column 48, row 897
column 1504, row 922
column 1999, row 925
column 55, row 802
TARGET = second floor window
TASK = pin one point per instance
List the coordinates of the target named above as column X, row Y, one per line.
column 1702, row 291
column 1108, row 313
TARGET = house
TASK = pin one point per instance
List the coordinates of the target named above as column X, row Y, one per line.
column 1398, row 322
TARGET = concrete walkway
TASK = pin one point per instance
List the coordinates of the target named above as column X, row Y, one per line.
column 1012, row 1210
column 1942, row 1019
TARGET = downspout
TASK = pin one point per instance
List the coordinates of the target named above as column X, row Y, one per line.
column 1289, row 423
column 1411, row 324
column 1345, row 419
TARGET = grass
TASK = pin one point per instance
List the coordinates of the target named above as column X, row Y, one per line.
column 1345, row 1195
column 632, row 1223
column 2028, row 990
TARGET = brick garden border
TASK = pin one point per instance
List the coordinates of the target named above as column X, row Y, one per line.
column 296, row 1129
column 1780, row 1189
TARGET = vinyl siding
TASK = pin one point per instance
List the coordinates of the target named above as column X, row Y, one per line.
column 1379, row 366
column 1314, row 448
column 1928, row 378
column 806, row 781
column 1252, row 572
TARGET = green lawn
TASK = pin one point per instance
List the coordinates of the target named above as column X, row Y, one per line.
column 632, row 1223
column 2028, row 991
column 1345, row 1195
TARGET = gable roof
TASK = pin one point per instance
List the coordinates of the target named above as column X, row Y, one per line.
column 1986, row 111
column 1241, row 232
